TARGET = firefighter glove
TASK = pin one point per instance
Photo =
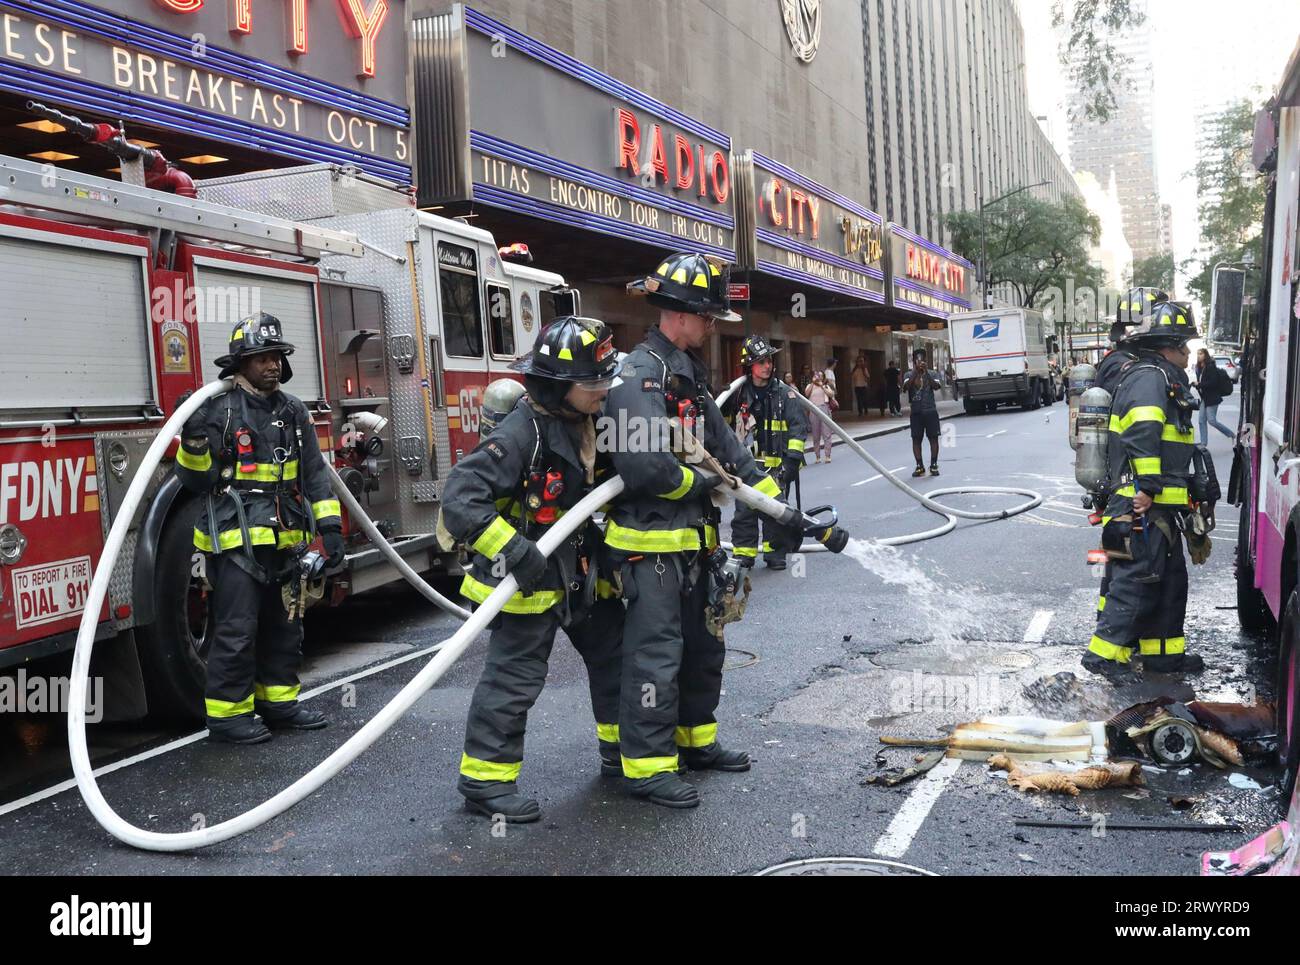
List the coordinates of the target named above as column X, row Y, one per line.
column 529, row 569
column 334, row 551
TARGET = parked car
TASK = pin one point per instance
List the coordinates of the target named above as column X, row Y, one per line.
column 1226, row 363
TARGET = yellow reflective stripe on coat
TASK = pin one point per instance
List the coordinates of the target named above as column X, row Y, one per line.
column 1101, row 603
column 268, row 472
column 200, row 463
column 653, row 540
column 539, row 601
column 751, row 551
column 258, row 535
column 683, row 487
column 796, row 445
column 1153, row 646
column 326, row 507
column 494, row 539
column 768, row 487
column 1139, row 413
column 276, row 695
column 1169, row 496
column 478, row 770
column 771, row 462
column 1147, row 465
column 701, row 735
column 776, row 425
column 641, row 767
column 228, row 708
column 1172, row 433
column 607, row 732
column 1104, row 648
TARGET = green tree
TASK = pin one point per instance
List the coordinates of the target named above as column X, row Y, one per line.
column 1041, row 249
column 1232, row 212
column 1096, row 67
column 1157, row 271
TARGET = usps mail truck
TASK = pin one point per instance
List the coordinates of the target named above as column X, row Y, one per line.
column 1000, row 355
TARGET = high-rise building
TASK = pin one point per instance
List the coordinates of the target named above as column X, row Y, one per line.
column 1125, row 144
column 947, row 110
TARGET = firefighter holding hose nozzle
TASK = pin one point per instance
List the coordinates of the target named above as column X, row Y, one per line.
column 253, row 454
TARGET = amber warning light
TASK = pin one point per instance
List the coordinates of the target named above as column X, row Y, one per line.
column 517, row 252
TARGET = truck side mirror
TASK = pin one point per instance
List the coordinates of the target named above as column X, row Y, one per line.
column 1226, row 299
column 567, row 301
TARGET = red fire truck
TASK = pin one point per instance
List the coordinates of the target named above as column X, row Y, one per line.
column 117, row 300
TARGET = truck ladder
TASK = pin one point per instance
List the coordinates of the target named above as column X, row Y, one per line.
column 33, row 185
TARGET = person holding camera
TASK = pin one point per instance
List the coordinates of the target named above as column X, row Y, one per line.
column 252, row 454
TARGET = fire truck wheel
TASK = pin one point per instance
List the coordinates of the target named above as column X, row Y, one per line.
column 1252, row 609
column 173, row 649
column 1288, row 694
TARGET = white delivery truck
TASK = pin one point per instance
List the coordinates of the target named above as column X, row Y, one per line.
column 1000, row 355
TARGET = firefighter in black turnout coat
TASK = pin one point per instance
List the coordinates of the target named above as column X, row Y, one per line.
column 536, row 464
column 780, row 426
column 253, row 454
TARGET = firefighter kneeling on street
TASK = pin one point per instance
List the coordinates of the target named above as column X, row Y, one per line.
column 1157, row 494
column 253, row 454
column 662, row 532
column 780, row 426
column 537, row 462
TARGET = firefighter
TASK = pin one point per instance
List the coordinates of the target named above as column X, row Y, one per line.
column 252, row 453
column 780, row 428
column 1120, row 358
column 539, row 461
column 1144, row 588
column 661, row 532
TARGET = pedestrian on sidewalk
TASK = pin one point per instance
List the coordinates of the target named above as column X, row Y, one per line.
column 861, row 385
column 1213, row 384
column 891, row 389
column 921, row 384
column 820, row 395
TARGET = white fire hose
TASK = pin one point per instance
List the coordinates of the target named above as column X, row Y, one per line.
column 314, row 779
column 925, row 499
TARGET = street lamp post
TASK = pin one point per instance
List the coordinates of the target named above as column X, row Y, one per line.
column 984, row 266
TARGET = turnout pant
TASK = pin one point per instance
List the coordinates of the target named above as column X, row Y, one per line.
column 746, row 526
column 672, row 665
column 256, row 649
column 1137, row 612
column 514, row 673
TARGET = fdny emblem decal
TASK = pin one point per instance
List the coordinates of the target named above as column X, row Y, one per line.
column 495, row 450
column 651, row 385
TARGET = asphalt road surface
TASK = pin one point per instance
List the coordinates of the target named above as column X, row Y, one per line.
column 830, row 656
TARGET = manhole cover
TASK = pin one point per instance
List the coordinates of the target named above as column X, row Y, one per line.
column 843, row 866
column 962, row 657
column 739, row 659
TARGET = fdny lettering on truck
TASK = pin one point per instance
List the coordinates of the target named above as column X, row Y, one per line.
column 41, row 489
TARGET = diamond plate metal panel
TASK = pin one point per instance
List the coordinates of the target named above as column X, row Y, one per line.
column 305, row 193
column 112, row 488
column 396, row 231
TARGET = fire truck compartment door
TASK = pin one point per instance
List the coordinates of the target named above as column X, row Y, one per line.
column 223, row 297
column 76, row 326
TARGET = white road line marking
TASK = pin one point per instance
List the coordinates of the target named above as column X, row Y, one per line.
column 1038, row 626
column 863, row 482
column 902, row 829
column 1044, row 521
column 998, row 433
column 180, row 742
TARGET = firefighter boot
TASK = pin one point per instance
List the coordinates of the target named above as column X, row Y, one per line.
column 714, row 757
column 611, row 760
column 666, row 789
column 492, row 798
column 244, row 729
column 297, row 717
column 1174, row 663
column 774, row 561
column 1112, row 670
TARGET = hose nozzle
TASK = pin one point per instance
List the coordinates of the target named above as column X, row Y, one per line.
column 825, row 530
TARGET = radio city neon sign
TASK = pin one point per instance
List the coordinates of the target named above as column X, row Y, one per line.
column 361, row 19
column 928, row 267
column 791, row 208
column 693, row 169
